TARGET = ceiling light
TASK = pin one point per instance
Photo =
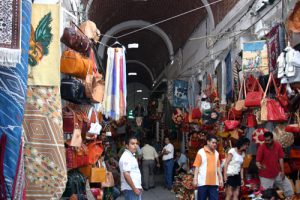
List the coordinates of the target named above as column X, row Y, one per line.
column 172, row 62
column 145, row 98
column 139, row 91
column 132, row 74
column 133, row 46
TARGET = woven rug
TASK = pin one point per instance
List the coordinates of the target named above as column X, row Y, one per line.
column 44, row 51
column 45, row 166
column 10, row 36
column 13, row 86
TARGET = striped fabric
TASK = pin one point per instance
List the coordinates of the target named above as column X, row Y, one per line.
column 13, row 86
column 114, row 103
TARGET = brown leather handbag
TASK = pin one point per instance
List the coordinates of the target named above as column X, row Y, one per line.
column 75, row 40
column 94, row 87
column 75, row 64
column 95, row 150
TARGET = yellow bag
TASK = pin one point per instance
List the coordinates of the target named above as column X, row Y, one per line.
column 74, row 64
column 247, row 161
column 98, row 175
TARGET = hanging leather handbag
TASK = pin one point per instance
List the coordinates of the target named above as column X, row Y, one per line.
column 74, row 118
column 281, row 96
column 95, row 150
column 75, row 40
column 98, row 174
column 94, row 87
column 293, row 128
column 231, row 124
column 240, row 104
column 254, row 97
column 109, row 180
column 271, row 110
column 196, row 113
column 75, row 64
column 286, row 139
column 76, row 156
column 295, row 152
column 251, row 120
column 73, row 90
column 294, row 102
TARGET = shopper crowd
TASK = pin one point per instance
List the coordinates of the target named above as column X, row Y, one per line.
column 137, row 168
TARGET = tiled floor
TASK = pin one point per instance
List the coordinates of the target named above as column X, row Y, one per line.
column 158, row 193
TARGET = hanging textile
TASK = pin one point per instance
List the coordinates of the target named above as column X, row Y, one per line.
column 273, row 47
column 45, row 165
column 44, row 51
column 192, row 92
column 13, row 88
column 229, row 84
column 114, row 103
column 10, row 33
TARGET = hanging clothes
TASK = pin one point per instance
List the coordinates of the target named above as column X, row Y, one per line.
column 114, row 103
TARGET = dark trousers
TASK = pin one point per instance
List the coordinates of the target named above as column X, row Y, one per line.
column 168, row 170
column 210, row 191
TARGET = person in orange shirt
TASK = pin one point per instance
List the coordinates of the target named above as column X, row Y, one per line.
column 207, row 174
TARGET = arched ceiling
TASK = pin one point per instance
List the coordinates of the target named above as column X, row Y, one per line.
column 152, row 51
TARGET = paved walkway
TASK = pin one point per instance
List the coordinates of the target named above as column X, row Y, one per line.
column 157, row 193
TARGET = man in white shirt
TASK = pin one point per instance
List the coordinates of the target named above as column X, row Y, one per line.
column 149, row 155
column 168, row 155
column 131, row 183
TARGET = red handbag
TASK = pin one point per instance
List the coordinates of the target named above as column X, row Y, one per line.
column 196, row 113
column 76, row 156
column 254, row 93
column 282, row 96
column 72, row 117
column 231, row 124
column 293, row 128
column 275, row 111
column 95, row 150
column 251, row 120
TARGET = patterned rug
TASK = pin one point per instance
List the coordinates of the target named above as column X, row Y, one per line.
column 13, row 86
column 44, row 51
column 10, row 46
column 45, row 166
column 273, row 47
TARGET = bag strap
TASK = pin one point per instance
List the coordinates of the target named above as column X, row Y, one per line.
column 271, row 79
column 242, row 88
column 230, row 112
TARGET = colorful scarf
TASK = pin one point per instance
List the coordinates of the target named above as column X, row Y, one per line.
column 13, row 88
column 114, row 103
column 10, row 35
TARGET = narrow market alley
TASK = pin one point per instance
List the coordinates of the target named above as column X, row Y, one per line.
column 157, row 193
column 149, row 99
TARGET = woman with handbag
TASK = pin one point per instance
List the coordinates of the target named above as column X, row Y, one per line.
column 233, row 171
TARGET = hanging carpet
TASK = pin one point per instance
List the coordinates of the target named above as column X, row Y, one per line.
column 13, row 86
column 45, row 165
column 10, row 32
